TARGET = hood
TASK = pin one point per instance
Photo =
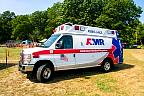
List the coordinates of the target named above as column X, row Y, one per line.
column 32, row 50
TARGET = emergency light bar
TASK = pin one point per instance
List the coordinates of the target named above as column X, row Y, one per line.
column 81, row 29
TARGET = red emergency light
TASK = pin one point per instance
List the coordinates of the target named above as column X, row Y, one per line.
column 77, row 27
column 62, row 27
column 54, row 30
column 113, row 32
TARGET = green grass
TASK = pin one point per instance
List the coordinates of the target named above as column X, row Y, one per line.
column 12, row 53
column 106, row 83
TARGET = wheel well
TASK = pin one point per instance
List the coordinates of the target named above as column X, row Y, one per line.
column 42, row 62
column 110, row 59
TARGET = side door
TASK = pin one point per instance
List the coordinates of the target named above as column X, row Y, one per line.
column 90, row 54
column 85, row 58
column 64, row 53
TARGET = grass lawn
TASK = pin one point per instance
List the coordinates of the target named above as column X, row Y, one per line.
column 13, row 53
column 125, row 80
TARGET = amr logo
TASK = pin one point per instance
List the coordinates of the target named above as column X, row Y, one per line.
column 92, row 41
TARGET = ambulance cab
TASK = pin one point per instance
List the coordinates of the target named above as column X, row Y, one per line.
column 73, row 47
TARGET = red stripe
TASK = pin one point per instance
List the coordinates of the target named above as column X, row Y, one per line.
column 65, row 51
column 36, row 54
column 69, row 51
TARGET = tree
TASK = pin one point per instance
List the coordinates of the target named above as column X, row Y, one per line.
column 55, row 16
column 22, row 28
column 6, row 26
column 39, row 22
column 139, row 33
column 121, row 15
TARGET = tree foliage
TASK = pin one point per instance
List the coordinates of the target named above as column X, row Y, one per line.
column 121, row 15
column 22, row 27
column 6, row 25
column 38, row 20
column 139, row 33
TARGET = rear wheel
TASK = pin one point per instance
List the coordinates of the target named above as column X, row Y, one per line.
column 106, row 65
column 44, row 73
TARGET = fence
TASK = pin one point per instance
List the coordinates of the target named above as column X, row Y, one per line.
column 9, row 55
column 21, row 45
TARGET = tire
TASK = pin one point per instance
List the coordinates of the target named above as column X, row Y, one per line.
column 44, row 73
column 106, row 65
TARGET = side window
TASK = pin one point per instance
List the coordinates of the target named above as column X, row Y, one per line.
column 65, row 42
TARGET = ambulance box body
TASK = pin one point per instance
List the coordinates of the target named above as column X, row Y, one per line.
column 73, row 47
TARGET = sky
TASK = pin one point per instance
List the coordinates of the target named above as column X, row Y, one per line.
column 141, row 4
column 21, row 7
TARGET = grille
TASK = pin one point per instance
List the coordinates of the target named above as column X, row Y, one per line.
column 22, row 57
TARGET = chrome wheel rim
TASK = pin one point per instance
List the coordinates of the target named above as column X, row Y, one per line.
column 46, row 73
column 107, row 66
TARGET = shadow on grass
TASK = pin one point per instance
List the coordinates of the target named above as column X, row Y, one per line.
column 76, row 73
column 4, row 66
column 119, row 67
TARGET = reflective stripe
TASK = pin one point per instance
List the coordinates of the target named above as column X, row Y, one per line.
column 69, row 51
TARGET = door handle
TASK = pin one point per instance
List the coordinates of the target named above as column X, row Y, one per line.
column 73, row 55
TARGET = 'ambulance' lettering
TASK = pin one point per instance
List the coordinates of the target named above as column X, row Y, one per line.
column 94, row 41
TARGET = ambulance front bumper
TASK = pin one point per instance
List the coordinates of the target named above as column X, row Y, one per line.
column 24, row 68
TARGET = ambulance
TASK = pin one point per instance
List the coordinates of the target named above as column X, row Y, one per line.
column 73, row 46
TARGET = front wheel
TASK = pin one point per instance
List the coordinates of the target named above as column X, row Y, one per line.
column 44, row 73
column 106, row 65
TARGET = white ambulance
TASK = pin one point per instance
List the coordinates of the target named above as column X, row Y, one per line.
column 73, row 47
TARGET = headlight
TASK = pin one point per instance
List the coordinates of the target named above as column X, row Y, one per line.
column 26, row 58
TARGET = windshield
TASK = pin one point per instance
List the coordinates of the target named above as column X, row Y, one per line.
column 50, row 41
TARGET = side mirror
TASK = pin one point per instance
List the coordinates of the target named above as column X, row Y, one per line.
column 58, row 46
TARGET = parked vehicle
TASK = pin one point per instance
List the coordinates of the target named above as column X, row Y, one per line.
column 73, row 47
column 26, row 42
